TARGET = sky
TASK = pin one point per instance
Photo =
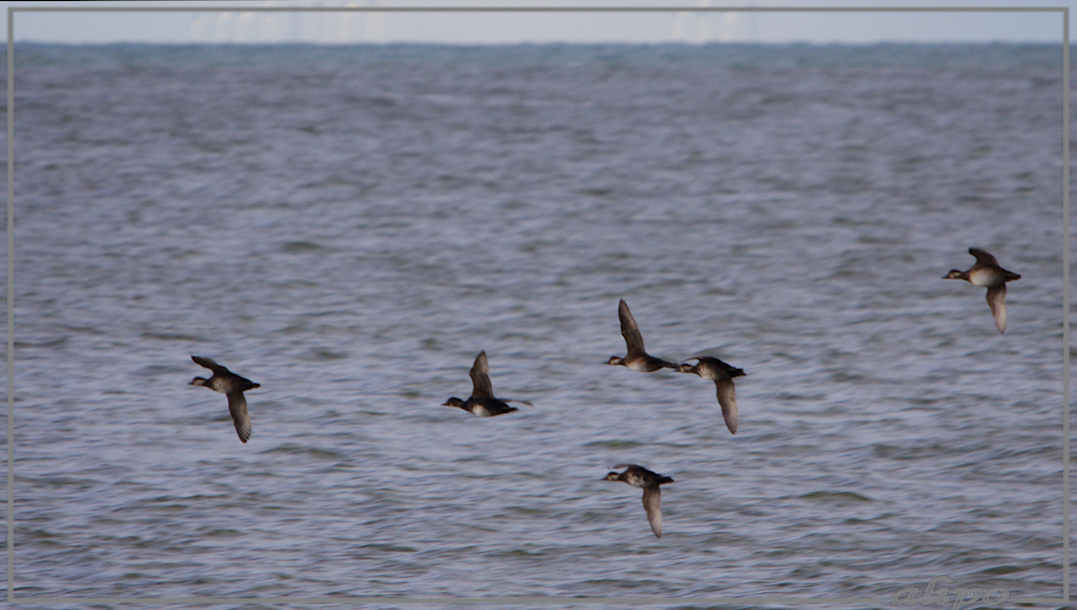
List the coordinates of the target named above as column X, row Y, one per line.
column 372, row 26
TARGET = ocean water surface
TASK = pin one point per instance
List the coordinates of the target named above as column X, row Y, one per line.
column 350, row 226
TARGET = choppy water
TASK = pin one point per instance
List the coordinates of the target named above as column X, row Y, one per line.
column 350, row 226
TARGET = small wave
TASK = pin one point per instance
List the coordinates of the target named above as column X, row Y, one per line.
column 184, row 337
column 1004, row 569
column 294, row 247
column 619, row 443
column 387, row 547
column 322, row 353
column 220, row 531
column 317, row 452
column 837, row 497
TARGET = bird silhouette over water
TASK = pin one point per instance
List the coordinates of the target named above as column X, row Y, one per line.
column 638, row 476
column 637, row 359
column 722, row 375
column 987, row 272
column 232, row 386
column 482, row 401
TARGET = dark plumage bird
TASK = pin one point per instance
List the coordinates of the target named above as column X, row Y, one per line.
column 637, row 358
column 722, row 375
column 638, row 476
column 987, row 272
column 233, row 386
column 482, row 401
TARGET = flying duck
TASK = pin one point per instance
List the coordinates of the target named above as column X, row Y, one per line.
column 482, row 401
column 638, row 476
column 231, row 385
column 636, row 359
column 722, row 375
column 987, row 272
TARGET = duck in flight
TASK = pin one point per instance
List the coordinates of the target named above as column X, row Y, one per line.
column 231, row 385
column 638, row 476
column 637, row 359
column 482, row 402
column 987, row 272
column 722, row 375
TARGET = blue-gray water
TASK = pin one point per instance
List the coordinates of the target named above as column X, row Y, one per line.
column 350, row 226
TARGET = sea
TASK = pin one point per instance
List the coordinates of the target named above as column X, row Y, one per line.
column 349, row 226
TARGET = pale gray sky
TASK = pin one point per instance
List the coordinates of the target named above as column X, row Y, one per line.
column 491, row 27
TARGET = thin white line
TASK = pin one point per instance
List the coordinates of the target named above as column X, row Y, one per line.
column 461, row 600
column 548, row 9
column 10, row 305
column 1066, row 304
column 1040, row 601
